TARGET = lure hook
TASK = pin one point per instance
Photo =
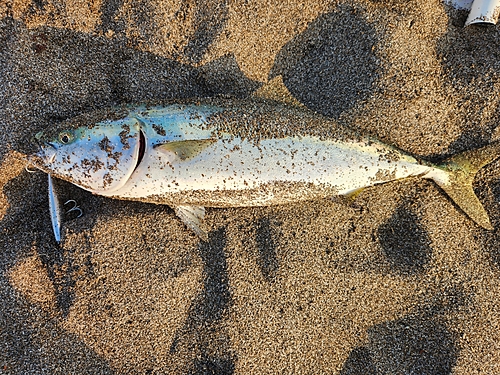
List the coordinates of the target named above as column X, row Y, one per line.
column 26, row 168
column 74, row 208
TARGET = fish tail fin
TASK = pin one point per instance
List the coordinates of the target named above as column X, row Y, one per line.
column 459, row 176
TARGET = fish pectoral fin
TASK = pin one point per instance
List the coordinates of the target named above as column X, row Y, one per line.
column 185, row 150
column 193, row 217
column 276, row 90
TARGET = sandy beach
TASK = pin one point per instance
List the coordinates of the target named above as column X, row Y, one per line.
column 399, row 282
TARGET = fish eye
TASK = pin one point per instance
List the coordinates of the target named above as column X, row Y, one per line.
column 66, row 137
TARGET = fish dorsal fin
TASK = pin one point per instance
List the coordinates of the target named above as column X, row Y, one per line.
column 185, row 150
column 193, row 217
column 276, row 90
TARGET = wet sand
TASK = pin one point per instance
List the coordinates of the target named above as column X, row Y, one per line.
column 399, row 282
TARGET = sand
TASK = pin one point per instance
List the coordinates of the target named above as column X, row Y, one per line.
column 400, row 282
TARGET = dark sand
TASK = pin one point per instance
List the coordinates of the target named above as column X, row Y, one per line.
column 400, row 282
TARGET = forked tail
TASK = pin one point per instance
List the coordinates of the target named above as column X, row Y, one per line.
column 460, row 170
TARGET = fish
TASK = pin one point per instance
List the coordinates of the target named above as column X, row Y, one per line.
column 264, row 150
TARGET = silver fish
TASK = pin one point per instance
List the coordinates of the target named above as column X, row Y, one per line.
column 265, row 150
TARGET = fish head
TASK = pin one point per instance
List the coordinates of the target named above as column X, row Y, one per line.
column 99, row 156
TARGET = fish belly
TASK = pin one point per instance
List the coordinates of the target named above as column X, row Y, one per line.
column 233, row 172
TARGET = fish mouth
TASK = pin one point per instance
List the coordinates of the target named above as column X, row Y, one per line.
column 43, row 148
column 48, row 153
column 44, row 156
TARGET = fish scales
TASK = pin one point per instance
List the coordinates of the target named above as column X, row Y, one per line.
column 272, row 170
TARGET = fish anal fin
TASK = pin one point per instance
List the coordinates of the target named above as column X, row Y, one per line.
column 193, row 217
column 352, row 195
column 276, row 90
column 185, row 150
